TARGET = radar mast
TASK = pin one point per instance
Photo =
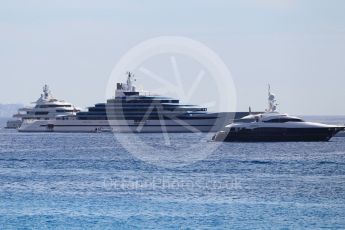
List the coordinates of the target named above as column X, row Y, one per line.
column 272, row 102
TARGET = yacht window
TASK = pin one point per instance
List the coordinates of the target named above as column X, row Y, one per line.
column 53, row 106
column 64, row 110
column 283, row 120
column 41, row 113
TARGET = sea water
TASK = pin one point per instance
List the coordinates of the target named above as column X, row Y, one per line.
column 92, row 181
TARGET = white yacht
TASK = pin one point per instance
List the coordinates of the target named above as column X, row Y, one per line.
column 134, row 111
column 274, row 126
column 46, row 108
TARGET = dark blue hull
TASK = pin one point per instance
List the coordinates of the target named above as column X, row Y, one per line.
column 279, row 135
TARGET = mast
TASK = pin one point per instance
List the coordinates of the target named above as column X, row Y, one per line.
column 129, row 82
column 272, row 102
column 46, row 92
column 269, row 96
column 128, row 86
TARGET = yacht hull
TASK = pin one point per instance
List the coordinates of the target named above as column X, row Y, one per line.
column 150, row 126
column 279, row 135
column 212, row 122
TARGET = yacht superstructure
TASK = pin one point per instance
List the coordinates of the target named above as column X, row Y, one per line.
column 133, row 111
column 275, row 126
column 46, row 108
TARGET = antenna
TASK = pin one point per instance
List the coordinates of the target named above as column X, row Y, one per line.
column 130, row 78
column 272, row 102
column 46, row 91
column 269, row 96
column 129, row 74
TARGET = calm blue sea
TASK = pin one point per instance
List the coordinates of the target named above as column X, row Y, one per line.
column 92, row 181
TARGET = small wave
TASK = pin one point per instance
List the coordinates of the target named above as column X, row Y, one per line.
column 330, row 163
column 260, row 162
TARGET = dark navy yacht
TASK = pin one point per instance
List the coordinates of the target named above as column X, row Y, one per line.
column 274, row 126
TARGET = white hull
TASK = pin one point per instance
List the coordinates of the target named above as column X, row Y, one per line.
column 150, row 126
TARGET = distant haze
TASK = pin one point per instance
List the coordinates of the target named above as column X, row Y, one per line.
column 296, row 46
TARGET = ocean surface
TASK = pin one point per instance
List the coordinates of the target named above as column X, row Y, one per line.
column 94, row 181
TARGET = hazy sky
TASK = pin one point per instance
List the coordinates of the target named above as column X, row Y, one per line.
column 296, row 45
